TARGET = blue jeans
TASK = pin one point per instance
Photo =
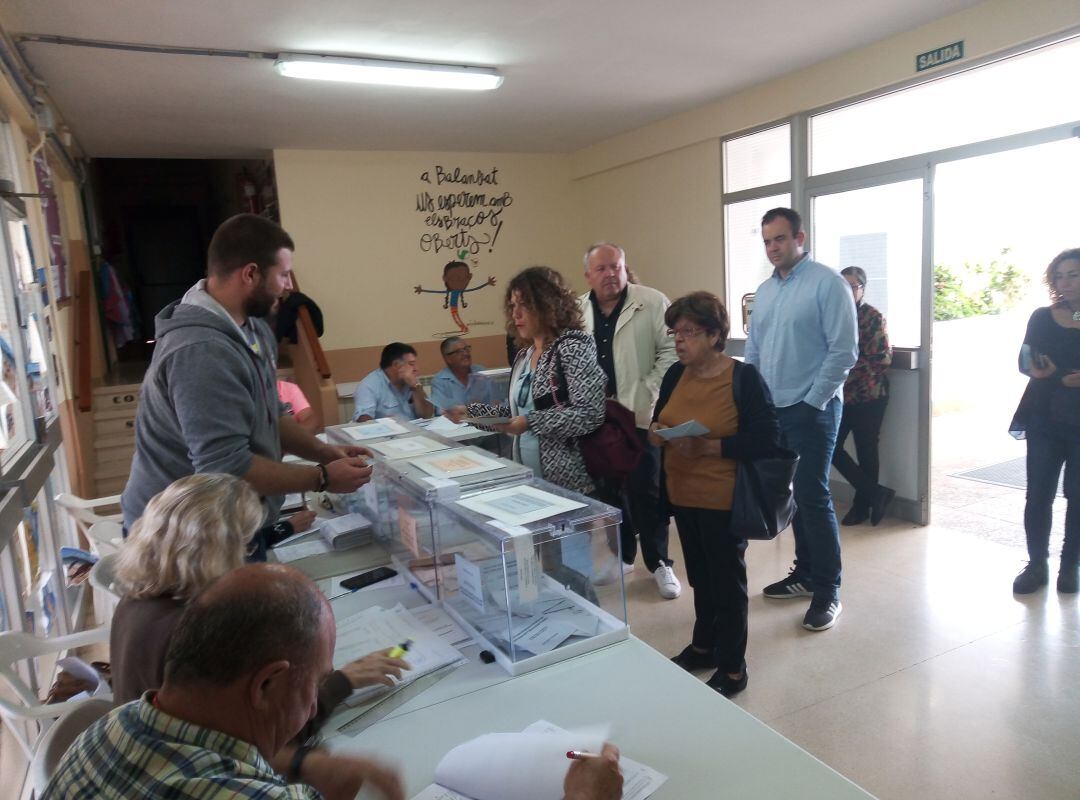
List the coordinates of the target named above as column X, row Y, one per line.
column 1046, row 453
column 812, row 434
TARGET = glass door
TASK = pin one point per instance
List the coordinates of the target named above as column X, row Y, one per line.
column 882, row 227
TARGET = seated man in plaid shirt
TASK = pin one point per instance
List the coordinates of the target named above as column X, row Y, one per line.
column 241, row 680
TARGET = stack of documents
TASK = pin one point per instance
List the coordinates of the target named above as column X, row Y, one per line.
column 378, row 628
column 346, row 532
column 375, row 429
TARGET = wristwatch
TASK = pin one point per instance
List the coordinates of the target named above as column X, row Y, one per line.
column 324, row 478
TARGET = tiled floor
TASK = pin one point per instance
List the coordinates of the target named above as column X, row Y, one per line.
column 936, row 682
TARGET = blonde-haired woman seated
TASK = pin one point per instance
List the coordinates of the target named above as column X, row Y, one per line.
column 191, row 534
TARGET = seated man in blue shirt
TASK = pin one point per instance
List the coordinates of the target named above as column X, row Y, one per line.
column 458, row 383
column 393, row 389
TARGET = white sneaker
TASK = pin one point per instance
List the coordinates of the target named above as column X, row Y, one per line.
column 666, row 582
column 609, row 573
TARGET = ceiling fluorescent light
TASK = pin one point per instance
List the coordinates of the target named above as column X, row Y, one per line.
column 388, row 73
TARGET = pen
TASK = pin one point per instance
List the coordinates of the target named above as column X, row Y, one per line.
column 401, row 649
column 577, row 755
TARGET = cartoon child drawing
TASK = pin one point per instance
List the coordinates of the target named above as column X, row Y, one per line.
column 456, row 277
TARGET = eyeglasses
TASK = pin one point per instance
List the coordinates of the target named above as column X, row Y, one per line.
column 466, row 349
column 685, row 333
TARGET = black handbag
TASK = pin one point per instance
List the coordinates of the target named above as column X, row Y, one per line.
column 764, row 503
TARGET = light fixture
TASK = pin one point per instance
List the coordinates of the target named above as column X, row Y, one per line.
column 389, row 73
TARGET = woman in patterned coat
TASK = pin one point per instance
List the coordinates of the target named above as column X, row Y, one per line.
column 556, row 385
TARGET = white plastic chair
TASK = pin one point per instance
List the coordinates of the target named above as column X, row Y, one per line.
column 54, row 742
column 25, row 706
column 85, row 512
column 107, row 592
column 106, row 537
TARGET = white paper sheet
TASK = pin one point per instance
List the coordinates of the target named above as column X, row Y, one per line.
column 294, row 552
column 528, row 765
column 519, row 505
column 639, row 780
column 375, row 428
column 441, row 425
column 456, row 463
column 442, row 625
column 411, row 446
column 691, row 428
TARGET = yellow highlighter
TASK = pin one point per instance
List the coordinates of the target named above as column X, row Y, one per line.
column 401, row 649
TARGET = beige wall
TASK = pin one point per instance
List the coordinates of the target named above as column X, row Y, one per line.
column 665, row 212
column 358, row 238
column 985, row 29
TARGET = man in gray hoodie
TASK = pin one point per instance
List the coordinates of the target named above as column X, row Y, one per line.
column 209, row 400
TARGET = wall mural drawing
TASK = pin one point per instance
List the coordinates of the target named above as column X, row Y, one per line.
column 462, row 212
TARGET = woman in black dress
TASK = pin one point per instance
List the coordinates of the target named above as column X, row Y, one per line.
column 1049, row 418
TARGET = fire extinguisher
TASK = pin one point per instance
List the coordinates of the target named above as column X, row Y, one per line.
column 250, row 192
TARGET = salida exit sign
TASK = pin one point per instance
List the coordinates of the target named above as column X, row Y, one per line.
column 942, row 55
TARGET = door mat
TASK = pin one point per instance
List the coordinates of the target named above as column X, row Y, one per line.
column 1008, row 473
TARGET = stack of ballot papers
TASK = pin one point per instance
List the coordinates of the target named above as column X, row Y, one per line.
column 346, row 532
column 378, row 628
column 375, row 429
column 441, row 425
column 530, row 765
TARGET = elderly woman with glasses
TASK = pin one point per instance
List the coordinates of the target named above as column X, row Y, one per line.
column 732, row 402
column 866, row 393
column 191, row 534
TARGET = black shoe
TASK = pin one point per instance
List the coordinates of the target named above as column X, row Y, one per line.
column 856, row 516
column 788, row 588
column 881, row 504
column 1068, row 581
column 691, row 659
column 728, row 687
column 1031, row 578
column 822, row 614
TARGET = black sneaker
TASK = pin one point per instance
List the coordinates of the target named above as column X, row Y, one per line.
column 1068, row 581
column 790, row 587
column 691, row 659
column 728, row 687
column 1031, row 578
column 822, row 614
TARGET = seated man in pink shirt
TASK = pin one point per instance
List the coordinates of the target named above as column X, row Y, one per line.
column 291, row 395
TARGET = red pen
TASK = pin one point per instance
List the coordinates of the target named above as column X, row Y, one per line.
column 579, row 754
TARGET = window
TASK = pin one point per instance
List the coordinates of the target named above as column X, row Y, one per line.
column 758, row 159
column 744, row 253
column 1018, row 94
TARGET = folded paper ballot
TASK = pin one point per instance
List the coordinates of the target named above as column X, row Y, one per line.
column 691, row 428
column 347, row 531
column 530, row 765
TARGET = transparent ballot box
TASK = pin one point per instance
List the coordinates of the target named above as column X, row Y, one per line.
column 416, row 491
column 370, row 499
column 517, row 566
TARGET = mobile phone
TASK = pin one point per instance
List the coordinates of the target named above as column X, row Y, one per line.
column 368, row 578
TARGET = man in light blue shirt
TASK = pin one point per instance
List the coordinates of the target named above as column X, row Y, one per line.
column 804, row 339
column 393, row 389
column 459, row 383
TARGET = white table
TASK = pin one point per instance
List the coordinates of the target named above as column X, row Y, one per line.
column 660, row 715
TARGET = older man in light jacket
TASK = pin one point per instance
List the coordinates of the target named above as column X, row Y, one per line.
column 634, row 351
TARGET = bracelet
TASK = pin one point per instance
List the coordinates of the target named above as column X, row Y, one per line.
column 293, row 775
column 324, row 478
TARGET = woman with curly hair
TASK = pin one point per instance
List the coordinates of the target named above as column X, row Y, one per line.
column 191, row 534
column 1049, row 418
column 556, row 385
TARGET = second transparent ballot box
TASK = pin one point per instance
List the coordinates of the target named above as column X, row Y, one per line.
column 518, row 567
column 417, row 490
